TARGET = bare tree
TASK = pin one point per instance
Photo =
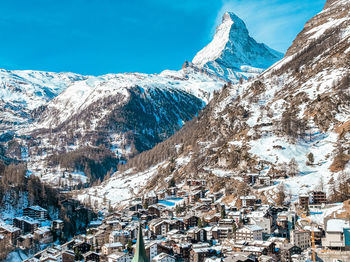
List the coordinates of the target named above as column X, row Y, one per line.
column 293, row 168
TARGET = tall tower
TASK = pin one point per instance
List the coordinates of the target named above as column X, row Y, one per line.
column 140, row 252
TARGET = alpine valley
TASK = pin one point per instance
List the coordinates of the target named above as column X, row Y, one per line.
column 72, row 129
column 244, row 118
column 289, row 124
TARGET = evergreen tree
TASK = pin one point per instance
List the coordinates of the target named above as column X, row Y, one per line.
column 129, row 245
column 199, row 224
column 234, row 227
column 110, row 208
column 223, row 212
column 77, row 254
column 280, row 194
column 293, row 168
column 43, row 191
column 172, row 182
column 310, row 158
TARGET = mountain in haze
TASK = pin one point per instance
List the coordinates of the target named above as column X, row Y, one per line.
column 233, row 53
column 290, row 124
column 80, row 127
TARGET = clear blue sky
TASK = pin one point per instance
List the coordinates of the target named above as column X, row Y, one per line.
column 109, row 36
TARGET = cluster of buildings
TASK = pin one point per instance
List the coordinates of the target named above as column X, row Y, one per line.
column 35, row 230
column 30, row 230
column 198, row 227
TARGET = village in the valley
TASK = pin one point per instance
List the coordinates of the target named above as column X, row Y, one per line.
column 192, row 223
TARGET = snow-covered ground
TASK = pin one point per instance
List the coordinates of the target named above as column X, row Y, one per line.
column 17, row 255
column 120, row 188
column 26, row 90
column 318, row 215
column 79, row 95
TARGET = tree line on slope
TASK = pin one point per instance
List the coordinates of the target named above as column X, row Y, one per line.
column 186, row 137
column 19, row 189
column 95, row 162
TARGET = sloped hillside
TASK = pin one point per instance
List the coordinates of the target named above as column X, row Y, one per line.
column 21, row 92
column 79, row 133
column 118, row 115
column 291, row 124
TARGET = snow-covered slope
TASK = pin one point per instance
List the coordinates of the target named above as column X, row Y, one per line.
column 123, row 113
column 56, row 115
column 233, row 54
column 80, row 95
column 291, row 124
column 23, row 91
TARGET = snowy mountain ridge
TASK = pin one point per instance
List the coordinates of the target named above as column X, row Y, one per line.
column 79, row 95
column 124, row 114
column 22, row 91
column 233, row 54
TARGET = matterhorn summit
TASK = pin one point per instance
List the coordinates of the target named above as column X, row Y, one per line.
column 233, row 53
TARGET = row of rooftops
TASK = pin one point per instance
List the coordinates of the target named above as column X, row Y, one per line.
column 28, row 220
column 254, row 246
column 37, row 208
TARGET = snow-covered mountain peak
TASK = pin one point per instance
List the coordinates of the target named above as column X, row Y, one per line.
column 230, row 23
column 290, row 124
column 238, row 24
column 233, row 53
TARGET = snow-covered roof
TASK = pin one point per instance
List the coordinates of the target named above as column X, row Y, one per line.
column 234, row 213
column 200, row 245
column 183, row 245
column 337, row 225
column 226, row 220
column 201, row 250
column 253, row 249
column 38, row 208
column 260, row 243
column 9, row 228
column 253, row 227
column 161, row 256
column 309, row 228
column 116, row 255
column 113, row 245
column 256, row 214
column 42, row 230
column 248, row 197
column 151, row 194
column 120, row 233
column 28, row 220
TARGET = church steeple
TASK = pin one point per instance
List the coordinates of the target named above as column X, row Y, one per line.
column 140, row 252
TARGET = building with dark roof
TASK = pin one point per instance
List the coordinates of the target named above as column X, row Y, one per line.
column 36, row 212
